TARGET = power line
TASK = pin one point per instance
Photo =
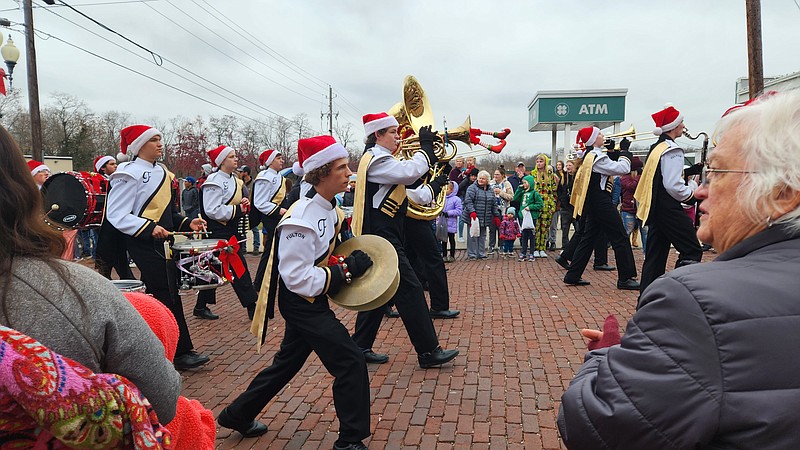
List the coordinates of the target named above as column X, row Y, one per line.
column 84, row 4
column 147, row 76
column 216, row 18
column 322, row 83
column 226, row 55
column 175, row 73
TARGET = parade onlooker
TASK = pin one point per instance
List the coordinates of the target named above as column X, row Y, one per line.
column 546, row 183
column 245, row 173
column 509, row 230
column 551, row 237
column 350, row 194
column 503, row 193
column 516, row 178
column 530, row 207
column 479, row 204
column 565, row 211
column 459, row 171
column 190, row 198
column 452, row 210
column 472, row 176
column 629, row 183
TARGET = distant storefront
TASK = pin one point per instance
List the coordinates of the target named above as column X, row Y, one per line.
column 780, row 84
column 56, row 163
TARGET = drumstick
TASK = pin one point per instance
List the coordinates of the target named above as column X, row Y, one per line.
column 188, row 233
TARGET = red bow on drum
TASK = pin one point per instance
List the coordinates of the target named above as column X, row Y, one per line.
column 229, row 257
column 474, row 138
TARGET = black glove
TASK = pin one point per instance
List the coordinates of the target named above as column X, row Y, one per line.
column 357, row 263
column 695, row 169
column 437, row 184
column 426, row 138
column 613, row 155
column 609, row 144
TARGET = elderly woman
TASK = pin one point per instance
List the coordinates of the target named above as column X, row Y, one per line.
column 479, row 204
column 710, row 358
column 67, row 307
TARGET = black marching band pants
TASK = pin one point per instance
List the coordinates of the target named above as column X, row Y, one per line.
column 600, row 245
column 410, row 303
column 668, row 224
column 313, row 327
column 423, row 250
column 601, row 217
column 160, row 277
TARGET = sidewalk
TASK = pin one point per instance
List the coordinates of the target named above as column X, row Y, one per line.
column 519, row 342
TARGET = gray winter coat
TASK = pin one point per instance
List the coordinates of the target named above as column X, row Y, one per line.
column 709, row 361
column 480, row 201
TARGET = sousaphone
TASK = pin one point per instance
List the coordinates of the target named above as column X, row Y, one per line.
column 379, row 283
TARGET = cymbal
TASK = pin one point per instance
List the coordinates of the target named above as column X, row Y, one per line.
column 379, row 283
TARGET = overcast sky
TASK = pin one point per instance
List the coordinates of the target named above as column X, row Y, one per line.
column 483, row 58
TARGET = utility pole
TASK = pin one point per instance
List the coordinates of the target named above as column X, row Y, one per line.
column 33, row 83
column 330, row 110
column 755, row 63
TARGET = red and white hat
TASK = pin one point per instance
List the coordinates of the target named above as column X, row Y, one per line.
column 297, row 170
column 219, row 154
column 101, row 161
column 667, row 119
column 132, row 139
column 37, row 166
column 376, row 122
column 267, row 156
column 586, row 136
column 315, row 152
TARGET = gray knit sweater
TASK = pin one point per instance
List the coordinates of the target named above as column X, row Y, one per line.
column 106, row 335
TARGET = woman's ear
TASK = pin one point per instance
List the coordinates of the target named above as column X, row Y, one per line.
column 786, row 200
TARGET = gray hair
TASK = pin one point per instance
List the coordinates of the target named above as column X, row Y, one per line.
column 484, row 174
column 771, row 148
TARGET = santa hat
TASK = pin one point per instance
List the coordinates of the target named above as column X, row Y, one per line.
column 297, row 170
column 376, row 122
column 219, row 154
column 101, row 161
column 749, row 102
column 37, row 166
column 267, row 156
column 586, row 136
column 132, row 139
column 667, row 119
column 315, row 152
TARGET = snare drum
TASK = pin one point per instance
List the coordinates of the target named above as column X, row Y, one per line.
column 80, row 198
column 129, row 285
column 199, row 268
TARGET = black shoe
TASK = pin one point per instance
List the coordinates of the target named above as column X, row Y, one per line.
column 605, row 267
column 205, row 313
column 248, row 430
column 580, row 282
column 375, row 358
column 350, row 446
column 562, row 262
column 190, row 360
column 436, row 358
column 446, row 314
column 629, row 285
column 391, row 313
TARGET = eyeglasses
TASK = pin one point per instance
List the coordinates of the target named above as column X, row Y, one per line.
column 709, row 172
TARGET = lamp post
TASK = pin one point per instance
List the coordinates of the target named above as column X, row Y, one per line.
column 10, row 54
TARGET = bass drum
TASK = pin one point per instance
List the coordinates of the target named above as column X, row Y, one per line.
column 75, row 199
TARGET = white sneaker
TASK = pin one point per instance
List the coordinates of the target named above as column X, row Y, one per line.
column 543, row 253
column 536, row 254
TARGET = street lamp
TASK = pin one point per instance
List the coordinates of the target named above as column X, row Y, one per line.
column 10, row 54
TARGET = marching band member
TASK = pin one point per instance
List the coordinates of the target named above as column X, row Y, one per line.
column 591, row 197
column 660, row 192
column 39, row 171
column 225, row 208
column 304, row 278
column 380, row 208
column 141, row 206
column 111, row 250
column 269, row 195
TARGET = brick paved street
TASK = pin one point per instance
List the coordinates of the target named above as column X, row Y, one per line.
column 519, row 342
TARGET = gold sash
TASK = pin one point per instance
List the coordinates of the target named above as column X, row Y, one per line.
column 644, row 190
column 267, row 292
column 280, row 195
column 581, row 184
column 360, row 199
column 161, row 200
